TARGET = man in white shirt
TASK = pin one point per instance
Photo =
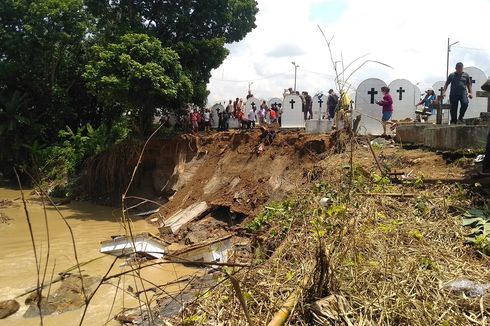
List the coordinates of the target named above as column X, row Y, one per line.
column 252, row 117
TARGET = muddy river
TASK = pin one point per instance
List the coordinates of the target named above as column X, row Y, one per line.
column 91, row 224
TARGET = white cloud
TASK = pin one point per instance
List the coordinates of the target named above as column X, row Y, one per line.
column 410, row 36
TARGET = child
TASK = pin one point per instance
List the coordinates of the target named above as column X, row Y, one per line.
column 387, row 104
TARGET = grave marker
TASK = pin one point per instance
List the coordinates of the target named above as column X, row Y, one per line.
column 292, row 116
column 404, row 102
column 366, row 94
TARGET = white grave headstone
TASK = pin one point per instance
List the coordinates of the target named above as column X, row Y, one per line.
column 292, row 116
column 437, row 87
column 252, row 102
column 214, row 114
column 477, row 104
column 275, row 100
column 367, row 93
column 320, row 106
column 405, row 96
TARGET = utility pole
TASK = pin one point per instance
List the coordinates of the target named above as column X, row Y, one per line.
column 439, row 108
column 449, row 50
column 295, row 71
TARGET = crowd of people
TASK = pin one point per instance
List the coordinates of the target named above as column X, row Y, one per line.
column 337, row 106
column 263, row 114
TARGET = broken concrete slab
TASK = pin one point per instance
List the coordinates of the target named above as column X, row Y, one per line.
column 182, row 217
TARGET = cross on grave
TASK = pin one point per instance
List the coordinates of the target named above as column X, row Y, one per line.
column 400, row 92
column 372, row 92
column 292, row 103
column 253, row 105
column 320, row 101
column 472, row 80
column 276, row 104
column 440, row 106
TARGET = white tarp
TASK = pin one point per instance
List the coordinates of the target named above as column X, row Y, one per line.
column 292, row 116
column 367, row 93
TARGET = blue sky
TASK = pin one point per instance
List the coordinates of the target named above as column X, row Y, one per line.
column 410, row 36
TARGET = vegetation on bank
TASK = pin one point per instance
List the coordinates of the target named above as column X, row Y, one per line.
column 77, row 76
column 355, row 248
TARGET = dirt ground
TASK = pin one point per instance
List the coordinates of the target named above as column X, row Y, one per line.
column 225, row 170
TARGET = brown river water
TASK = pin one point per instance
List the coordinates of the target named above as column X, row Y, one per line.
column 91, row 224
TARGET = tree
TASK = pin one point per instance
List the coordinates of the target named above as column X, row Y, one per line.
column 42, row 44
column 139, row 74
column 196, row 30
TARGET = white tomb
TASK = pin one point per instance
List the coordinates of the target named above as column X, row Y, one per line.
column 367, row 93
column 292, row 116
column 320, row 106
column 405, row 95
column 477, row 104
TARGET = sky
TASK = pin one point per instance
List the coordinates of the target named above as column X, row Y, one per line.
column 409, row 36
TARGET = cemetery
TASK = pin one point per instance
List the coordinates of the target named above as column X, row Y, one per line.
column 435, row 132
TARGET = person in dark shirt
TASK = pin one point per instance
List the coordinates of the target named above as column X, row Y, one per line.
column 332, row 102
column 308, row 112
column 460, row 81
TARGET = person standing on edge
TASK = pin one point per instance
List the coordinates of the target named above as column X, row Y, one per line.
column 308, row 106
column 387, row 104
column 460, row 81
column 252, row 117
column 332, row 102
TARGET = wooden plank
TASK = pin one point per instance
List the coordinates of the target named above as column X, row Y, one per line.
column 182, row 217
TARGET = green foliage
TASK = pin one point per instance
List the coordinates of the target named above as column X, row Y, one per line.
column 194, row 320
column 65, row 160
column 78, row 62
column 272, row 212
column 479, row 235
column 139, row 73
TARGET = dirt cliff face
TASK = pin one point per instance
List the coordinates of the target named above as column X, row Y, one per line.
column 226, row 170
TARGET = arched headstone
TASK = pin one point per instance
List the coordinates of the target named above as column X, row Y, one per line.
column 292, row 116
column 405, row 96
column 275, row 100
column 214, row 114
column 438, row 87
column 320, row 106
column 367, row 93
column 477, row 104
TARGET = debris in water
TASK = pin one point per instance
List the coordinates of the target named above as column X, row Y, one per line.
column 143, row 244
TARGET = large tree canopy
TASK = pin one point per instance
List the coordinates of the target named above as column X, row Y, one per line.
column 56, row 68
column 197, row 30
column 138, row 73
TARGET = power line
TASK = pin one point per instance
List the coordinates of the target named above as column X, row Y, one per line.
column 467, row 48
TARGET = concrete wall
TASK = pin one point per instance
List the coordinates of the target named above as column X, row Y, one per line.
column 446, row 137
column 456, row 137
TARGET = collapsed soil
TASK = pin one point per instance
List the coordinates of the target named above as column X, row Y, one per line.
column 376, row 231
column 411, row 238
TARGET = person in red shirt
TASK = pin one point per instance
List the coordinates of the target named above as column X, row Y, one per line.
column 387, row 104
column 195, row 119
column 273, row 114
